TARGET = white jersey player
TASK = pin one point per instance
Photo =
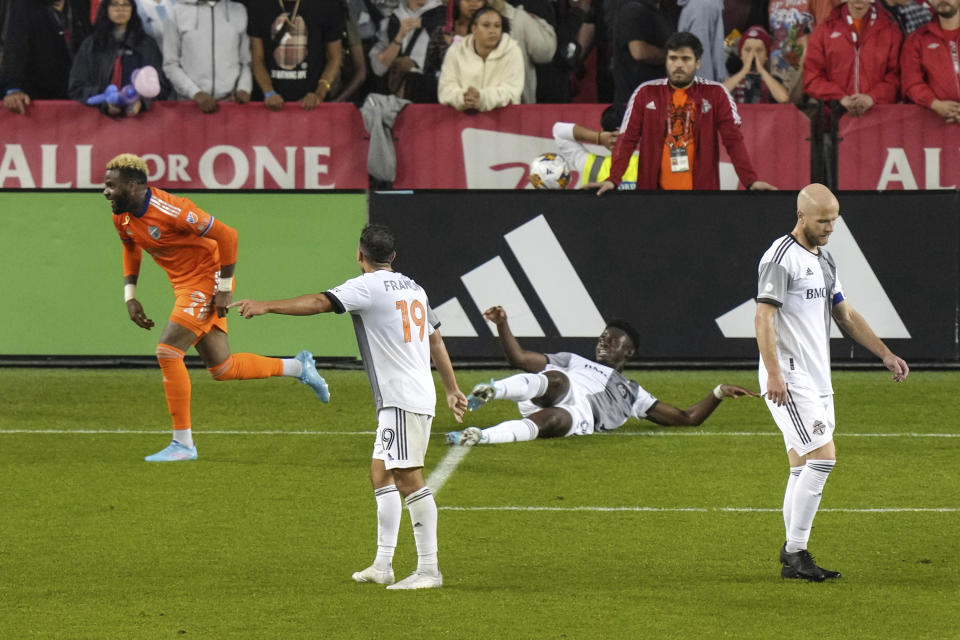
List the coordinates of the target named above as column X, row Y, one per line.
column 797, row 294
column 397, row 335
column 563, row 394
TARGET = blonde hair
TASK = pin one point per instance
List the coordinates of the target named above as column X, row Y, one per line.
column 130, row 166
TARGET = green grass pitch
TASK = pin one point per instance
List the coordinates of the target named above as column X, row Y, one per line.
column 259, row 537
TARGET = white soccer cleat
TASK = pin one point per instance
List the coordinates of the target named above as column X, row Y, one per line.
column 419, row 581
column 471, row 436
column 481, row 395
column 372, row 574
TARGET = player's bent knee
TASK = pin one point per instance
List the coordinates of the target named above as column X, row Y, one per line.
column 167, row 352
column 223, row 371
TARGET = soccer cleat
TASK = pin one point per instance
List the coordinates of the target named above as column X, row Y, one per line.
column 175, row 452
column 466, row 438
column 418, row 580
column 311, row 378
column 800, row 565
column 372, row 574
column 481, row 394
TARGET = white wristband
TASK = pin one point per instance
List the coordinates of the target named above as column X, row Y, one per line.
column 226, row 284
column 718, row 392
column 129, row 292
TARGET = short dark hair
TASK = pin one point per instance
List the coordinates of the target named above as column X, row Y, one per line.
column 377, row 243
column 612, row 117
column 682, row 39
column 628, row 329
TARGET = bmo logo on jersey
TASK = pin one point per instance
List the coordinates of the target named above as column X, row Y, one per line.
column 816, row 294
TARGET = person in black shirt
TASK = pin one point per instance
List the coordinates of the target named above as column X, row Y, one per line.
column 296, row 49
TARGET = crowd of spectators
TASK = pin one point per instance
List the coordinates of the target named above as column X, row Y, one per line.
column 476, row 54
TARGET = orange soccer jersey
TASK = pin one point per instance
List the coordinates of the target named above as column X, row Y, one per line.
column 183, row 239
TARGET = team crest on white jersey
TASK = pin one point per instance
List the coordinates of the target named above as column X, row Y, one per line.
column 819, row 427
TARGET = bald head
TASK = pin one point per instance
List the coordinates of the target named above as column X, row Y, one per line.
column 815, row 199
column 817, row 211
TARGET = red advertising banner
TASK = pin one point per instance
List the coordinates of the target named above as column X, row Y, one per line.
column 441, row 148
column 898, row 146
column 65, row 145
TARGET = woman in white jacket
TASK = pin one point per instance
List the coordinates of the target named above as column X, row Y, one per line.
column 484, row 70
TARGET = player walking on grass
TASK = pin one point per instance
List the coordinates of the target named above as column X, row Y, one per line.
column 397, row 335
column 798, row 292
column 199, row 255
column 563, row 394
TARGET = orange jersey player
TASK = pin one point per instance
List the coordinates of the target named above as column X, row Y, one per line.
column 199, row 255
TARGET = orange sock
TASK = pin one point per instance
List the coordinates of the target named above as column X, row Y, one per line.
column 176, row 384
column 247, row 366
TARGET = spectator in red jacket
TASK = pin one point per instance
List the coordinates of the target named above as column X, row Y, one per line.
column 853, row 57
column 928, row 64
column 679, row 122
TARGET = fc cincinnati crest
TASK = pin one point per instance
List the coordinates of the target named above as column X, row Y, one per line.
column 154, row 232
column 819, row 427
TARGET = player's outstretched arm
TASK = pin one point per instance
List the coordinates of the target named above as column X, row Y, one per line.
column 306, row 305
column 517, row 356
column 854, row 325
column 441, row 360
column 668, row 415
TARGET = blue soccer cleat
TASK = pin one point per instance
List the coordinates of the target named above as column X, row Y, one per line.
column 311, row 378
column 453, row 438
column 481, row 395
column 175, row 452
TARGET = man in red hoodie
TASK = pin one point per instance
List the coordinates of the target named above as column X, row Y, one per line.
column 852, row 57
column 678, row 122
column 930, row 64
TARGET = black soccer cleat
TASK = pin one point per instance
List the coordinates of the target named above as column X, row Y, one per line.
column 800, row 565
column 788, row 572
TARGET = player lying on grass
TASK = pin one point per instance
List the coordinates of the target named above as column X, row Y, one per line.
column 563, row 394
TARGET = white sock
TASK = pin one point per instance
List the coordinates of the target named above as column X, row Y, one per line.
column 292, row 367
column 184, row 437
column 511, row 431
column 389, row 511
column 523, row 386
column 806, row 500
column 423, row 516
column 788, row 497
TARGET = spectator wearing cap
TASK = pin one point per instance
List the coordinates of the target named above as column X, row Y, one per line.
column 484, row 70
column 928, row 63
column 853, row 58
column 754, row 84
column 42, row 37
column 117, row 47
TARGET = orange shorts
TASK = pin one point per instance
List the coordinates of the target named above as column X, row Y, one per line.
column 194, row 308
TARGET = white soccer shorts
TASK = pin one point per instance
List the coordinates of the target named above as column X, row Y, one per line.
column 575, row 403
column 402, row 438
column 806, row 420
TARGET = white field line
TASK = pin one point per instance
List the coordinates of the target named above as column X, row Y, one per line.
column 279, row 432
column 703, row 509
column 446, row 467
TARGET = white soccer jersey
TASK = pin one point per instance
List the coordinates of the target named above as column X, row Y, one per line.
column 393, row 321
column 805, row 287
column 613, row 398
